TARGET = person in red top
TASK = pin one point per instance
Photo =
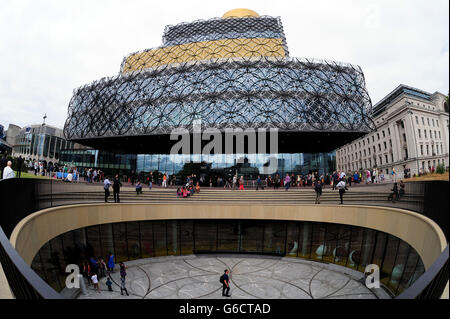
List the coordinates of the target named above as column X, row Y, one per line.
column 241, row 183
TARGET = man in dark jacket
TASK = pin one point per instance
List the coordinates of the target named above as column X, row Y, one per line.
column 19, row 166
column 335, row 180
column 318, row 189
column 116, row 189
column 225, row 284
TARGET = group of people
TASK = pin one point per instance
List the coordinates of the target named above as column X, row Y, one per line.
column 96, row 269
column 93, row 175
column 396, row 192
column 116, row 185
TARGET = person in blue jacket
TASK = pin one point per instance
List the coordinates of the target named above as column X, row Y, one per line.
column 111, row 262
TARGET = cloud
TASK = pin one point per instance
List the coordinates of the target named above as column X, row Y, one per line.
column 50, row 47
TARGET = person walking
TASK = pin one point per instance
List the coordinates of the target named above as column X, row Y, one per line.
column 111, row 264
column 318, row 189
column 234, row 185
column 241, row 183
column 116, row 189
column 123, row 274
column 341, row 186
column 225, row 280
column 8, row 171
column 106, row 185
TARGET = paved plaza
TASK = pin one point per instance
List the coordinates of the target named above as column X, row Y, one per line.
column 252, row 277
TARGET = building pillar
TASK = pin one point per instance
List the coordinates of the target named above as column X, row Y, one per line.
column 396, row 145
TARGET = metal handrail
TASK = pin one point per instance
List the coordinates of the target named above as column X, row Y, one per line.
column 422, row 287
column 26, row 283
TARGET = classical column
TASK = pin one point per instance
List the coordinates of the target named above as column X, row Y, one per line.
column 411, row 142
column 396, row 144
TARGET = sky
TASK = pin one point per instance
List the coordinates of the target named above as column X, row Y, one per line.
column 50, row 47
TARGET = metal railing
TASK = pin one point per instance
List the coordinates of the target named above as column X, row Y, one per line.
column 22, row 197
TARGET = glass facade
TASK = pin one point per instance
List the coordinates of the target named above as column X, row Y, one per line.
column 247, row 165
column 40, row 142
column 344, row 245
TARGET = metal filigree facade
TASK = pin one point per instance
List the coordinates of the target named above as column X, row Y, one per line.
column 226, row 73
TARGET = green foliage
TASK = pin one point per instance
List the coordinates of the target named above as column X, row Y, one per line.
column 440, row 169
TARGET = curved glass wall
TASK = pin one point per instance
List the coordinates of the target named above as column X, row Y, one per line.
column 348, row 246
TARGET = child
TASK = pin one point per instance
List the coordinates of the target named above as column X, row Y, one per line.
column 185, row 193
column 109, row 284
column 179, row 193
column 197, row 188
column 95, row 282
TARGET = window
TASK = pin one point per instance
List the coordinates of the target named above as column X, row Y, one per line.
column 390, row 143
column 437, row 123
column 384, row 134
column 428, row 121
column 386, row 157
column 402, row 124
column 392, row 157
column 373, row 138
column 432, row 121
column 423, row 121
column 404, row 137
column 428, row 150
column 439, row 134
column 421, row 150
column 385, row 145
column 417, row 120
column 431, row 134
column 369, row 150
column 389, row 131
column 420, row 134
column 425, row 132
column 379, row 147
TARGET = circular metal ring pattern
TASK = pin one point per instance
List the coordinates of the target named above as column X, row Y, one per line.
column 215, row 72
